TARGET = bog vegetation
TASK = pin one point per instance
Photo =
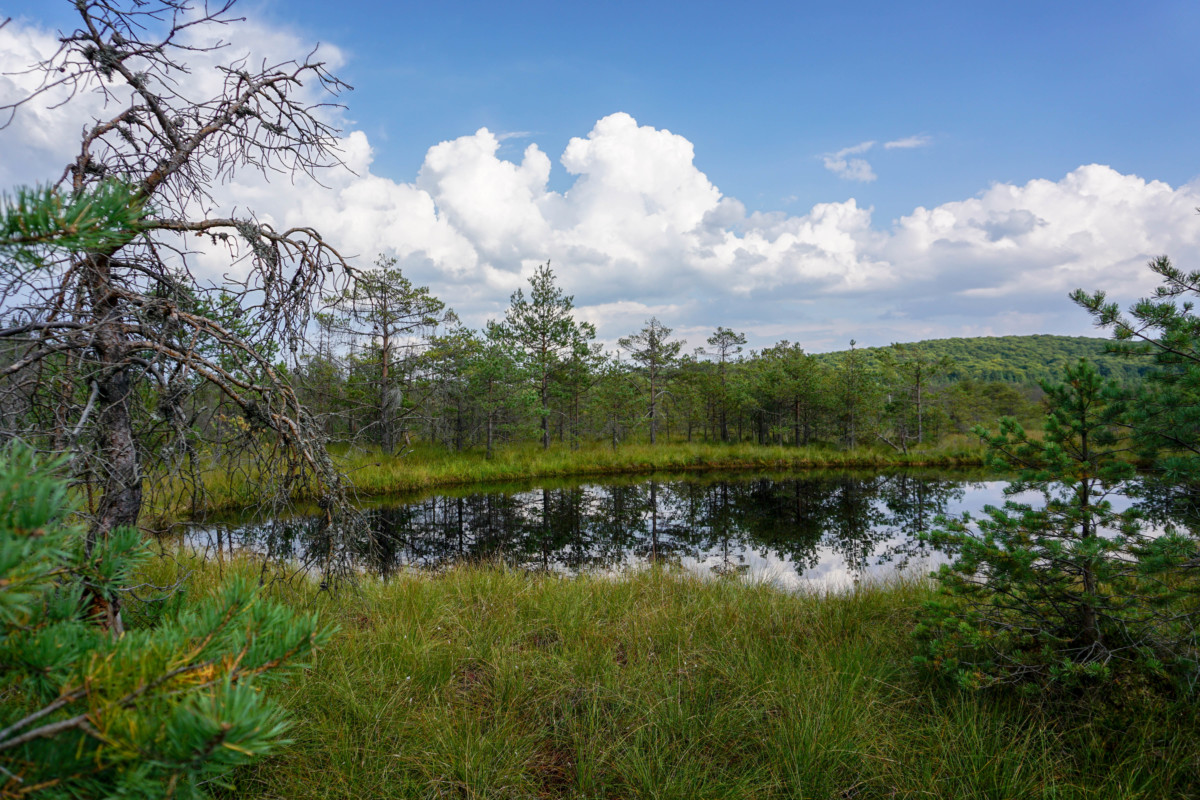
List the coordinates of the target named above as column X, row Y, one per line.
column 1057, row 657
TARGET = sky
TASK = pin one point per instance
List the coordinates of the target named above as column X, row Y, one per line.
column 811, row 172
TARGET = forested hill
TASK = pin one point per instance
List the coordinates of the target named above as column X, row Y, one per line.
column 1022, row 359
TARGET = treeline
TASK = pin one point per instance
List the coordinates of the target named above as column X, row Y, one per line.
column 393, row 366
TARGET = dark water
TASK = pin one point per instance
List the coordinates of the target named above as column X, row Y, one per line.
column 815, row 528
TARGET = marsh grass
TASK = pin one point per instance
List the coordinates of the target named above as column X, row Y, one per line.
column 484, row 682
column 426, row 468
column 373, row 473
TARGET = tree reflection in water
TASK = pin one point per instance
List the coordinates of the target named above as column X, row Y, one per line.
column 820, row 523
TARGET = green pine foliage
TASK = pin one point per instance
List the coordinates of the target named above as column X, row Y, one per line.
column 41, row 220
column 166, row 709
column 1163, row 331
column 1069, row 592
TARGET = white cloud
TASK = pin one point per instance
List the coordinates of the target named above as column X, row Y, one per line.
column 861, row 147
column 907, row 143
column 859, row 169
column 642, row 231
column 40, row 139
column 852, row 169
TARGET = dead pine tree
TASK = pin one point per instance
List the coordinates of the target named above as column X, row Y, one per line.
column 120, row 352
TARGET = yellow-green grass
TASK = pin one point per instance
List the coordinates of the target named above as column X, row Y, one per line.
column 373, row 473
column 489, row 683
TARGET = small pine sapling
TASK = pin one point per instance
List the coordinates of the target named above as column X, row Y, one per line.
column 1068, row 592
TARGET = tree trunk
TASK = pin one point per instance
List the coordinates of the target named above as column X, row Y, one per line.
column 458, row 428
column 1089, row 621
column 920, row 417
column 386, row 438
column 575, row 422
column 545, row 412
column 490, row 417
column 796, row 423
column 652, row 408
column 121, row 502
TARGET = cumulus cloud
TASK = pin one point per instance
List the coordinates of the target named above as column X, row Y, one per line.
column 641, row 231
column 44, row 135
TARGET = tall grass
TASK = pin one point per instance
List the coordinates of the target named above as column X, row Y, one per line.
column 425, row 468
column 373, row 473
column 490, row 683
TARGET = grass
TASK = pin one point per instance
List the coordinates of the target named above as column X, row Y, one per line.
column 489, row 683
column 426, row 468
column 372, row 473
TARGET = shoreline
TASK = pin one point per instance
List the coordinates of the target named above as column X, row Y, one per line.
column 371, row 474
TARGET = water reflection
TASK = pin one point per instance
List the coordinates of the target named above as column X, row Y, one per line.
column 817, row 527
column 821, row 528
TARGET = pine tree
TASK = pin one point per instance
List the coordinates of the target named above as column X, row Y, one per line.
column 726, row 346
column 653, row 350
column 907, row 373
column 118, row 317
column 546, row 332
column 855, row 386
column 1071, row 590
column 1165, row 331
column 799, row 383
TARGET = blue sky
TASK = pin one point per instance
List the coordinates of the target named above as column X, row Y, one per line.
column 1005, row 91
column 778, row 101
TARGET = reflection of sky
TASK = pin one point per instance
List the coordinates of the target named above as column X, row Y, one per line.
column 833, row 573
column 825, row 569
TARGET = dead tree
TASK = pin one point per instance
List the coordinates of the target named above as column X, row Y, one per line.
column 395, row 318
column 120, row 354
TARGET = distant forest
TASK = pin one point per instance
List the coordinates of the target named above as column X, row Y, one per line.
column 1023, row 359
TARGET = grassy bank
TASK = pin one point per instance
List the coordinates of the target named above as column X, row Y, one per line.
column 373, row 473
column 486, row 683
column 429, row 468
